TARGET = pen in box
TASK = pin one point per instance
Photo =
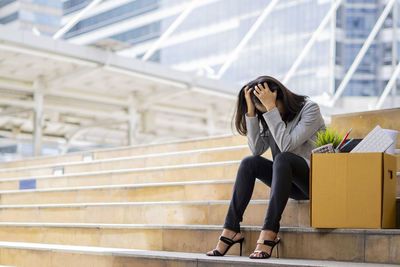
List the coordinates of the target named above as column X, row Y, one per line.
column 344, row 139
column 347, row 143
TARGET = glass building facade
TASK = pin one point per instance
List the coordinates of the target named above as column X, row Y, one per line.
column 204, row 40
column 355, row 21
column 42, row 16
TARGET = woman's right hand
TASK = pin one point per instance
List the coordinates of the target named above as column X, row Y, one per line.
column 251, row 110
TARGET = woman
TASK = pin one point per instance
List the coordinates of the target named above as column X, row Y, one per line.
column 289, row 125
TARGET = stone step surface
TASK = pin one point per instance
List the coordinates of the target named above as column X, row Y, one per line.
column 171, row 191
column 180, row 145
column 46, row 255
column 108, row 199
column 140, row 161
column 172, row 212
column 225, row 170
column 175, row 191
column 296, row 212
column 355, row 245
column 363, row 122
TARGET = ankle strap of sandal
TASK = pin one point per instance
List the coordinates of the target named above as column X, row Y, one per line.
column 266, row 242
column 226, row 240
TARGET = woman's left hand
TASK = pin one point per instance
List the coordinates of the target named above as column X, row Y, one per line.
column 264, row 94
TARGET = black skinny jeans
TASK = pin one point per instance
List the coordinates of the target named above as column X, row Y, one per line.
column 287, row 175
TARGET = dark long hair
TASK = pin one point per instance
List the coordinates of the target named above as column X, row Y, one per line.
column 292, row 103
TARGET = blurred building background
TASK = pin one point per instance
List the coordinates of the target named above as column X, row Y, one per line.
column 39, row 16
column 204, row 40
column 341, row 53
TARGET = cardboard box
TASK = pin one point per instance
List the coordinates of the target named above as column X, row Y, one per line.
column 353, row 190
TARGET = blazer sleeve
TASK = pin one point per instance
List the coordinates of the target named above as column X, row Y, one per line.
column 308, row 124
column 257, row 144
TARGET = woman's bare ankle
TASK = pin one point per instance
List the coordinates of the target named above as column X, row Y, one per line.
column 268, row 234
column 229, row 233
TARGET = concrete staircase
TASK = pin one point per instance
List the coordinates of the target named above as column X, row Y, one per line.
column 161, row 205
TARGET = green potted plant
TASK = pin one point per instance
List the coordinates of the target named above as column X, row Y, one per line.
column 327, row 141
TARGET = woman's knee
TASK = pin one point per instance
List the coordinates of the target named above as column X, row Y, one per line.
column 248, row 162
column 283, row 159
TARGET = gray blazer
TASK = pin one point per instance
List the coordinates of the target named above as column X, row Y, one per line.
column 295, row 137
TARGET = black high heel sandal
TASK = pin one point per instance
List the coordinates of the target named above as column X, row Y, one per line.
column 230, row 243
column 265, row 255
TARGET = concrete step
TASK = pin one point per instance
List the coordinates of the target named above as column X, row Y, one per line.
column 225, row 170
column 296, row 212
column 140, row 161
column 169, row 191
column 177, row 191
column 168, row 212
column 355, row 245
column 10, row 187
column 180, row 145
column 46, row 255
column 363, row 122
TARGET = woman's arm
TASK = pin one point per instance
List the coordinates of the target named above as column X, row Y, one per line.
column 256, row 144
column 309, row 123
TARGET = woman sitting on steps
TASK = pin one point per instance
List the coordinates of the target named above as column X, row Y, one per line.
column 289, row 125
